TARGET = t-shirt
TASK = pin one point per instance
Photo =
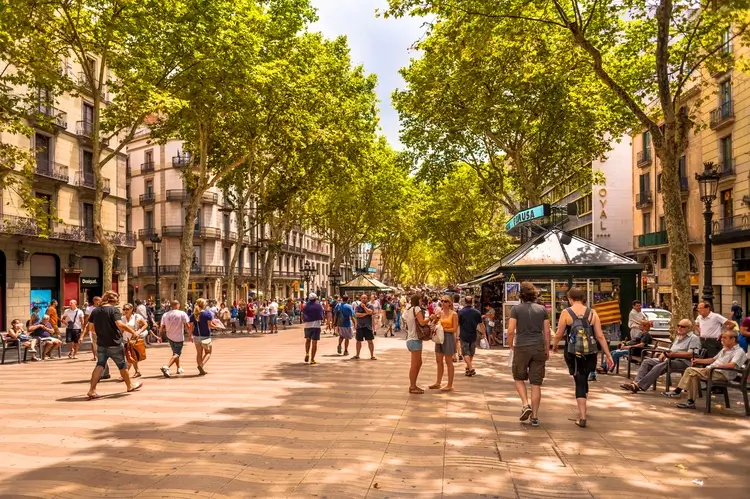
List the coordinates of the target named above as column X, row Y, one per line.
column 710, row 325
column 644, row 338
column 105, row 321
column 530, row 319
column 201, row 326
column 734, row 355
column 742, row 340
column 374, row 305
column 313, row 314
column 174, row 323
column 363, row 322
column 736, row 313
column 73, row 318
column 273, row 308
column 469, row 319
column 410, row 318
column 347, row 312
column 634, row 322
column 389, row 312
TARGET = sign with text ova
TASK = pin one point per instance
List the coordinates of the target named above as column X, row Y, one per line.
column 527, row 215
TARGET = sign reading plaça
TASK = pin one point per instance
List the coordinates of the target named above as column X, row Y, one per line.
column 527, row 215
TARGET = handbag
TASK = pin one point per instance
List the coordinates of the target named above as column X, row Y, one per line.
column 136, row 349
column 438, row 335
column 206, row 343
column 484, row 344
column 424, row 333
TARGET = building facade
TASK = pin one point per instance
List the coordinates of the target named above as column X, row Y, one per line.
column 158, row 208
column 64, row 260
column 724, row 100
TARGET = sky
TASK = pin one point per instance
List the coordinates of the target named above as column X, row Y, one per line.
column 381, row 45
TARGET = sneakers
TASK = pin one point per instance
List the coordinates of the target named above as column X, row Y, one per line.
column 180, row 371
column 671, row 395
column 534, row 421
column 165, row 371
column 338, row 349
column 687, row 405
column 525, row 413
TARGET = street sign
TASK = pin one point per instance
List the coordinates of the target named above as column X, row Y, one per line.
column 372, row 270
column 527, row 215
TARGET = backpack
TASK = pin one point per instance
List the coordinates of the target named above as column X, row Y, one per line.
column 581, row 338
column 339, row 315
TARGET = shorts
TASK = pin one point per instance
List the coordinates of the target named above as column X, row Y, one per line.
column 72, row 335
column 365, row 334
column 414, row 345
column 346, row 332
column 176, row 347
column 449, row 345
column 312, row 333
column 468, row 349
column 116, row 353
column 528, row 363
column 198, row 340
column 389, row 322
column 273, row 319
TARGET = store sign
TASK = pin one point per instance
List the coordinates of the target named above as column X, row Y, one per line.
column 693, row 279
column 603, row 214
column 89, row 282
column 295, row 286
column 524, row 216
column 665, row 290
column 742, row 278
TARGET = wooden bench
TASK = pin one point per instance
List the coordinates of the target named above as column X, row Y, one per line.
column 9, row 343
column 724, row 386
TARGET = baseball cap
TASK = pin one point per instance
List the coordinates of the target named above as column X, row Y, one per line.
column 312, row 296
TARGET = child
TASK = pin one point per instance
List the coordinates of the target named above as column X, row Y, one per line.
column 284, row 318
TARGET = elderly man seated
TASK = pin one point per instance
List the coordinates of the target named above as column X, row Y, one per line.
column 730, row 357
column 684, row 347
column 633, row 347
column 17, row 333
column 44, row 331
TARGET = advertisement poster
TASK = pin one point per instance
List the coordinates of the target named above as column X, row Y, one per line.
column 40, row 298
column 513, row 292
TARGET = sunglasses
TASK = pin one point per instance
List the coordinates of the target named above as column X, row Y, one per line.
column 446, row 301
column 680, row 325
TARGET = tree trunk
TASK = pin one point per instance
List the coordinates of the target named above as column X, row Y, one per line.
column 268, row 267
column 186, row 247
column 237, row 247
column 682, row 299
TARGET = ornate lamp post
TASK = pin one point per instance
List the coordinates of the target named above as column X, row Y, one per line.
column 156, row 241
column 307, row 273
column 708, row 182
column 335, row 277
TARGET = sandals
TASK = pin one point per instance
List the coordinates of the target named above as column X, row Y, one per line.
column 416, row 390
column 373, row 358
column 436, row 386
column 93, row 397
column 136, row 387
column 581, row 423
column 356, row 357
column 447, row 389
column 137, row 374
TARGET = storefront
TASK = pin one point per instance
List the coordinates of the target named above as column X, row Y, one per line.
column 556, row 261
column 91, row 278
column 45, row 280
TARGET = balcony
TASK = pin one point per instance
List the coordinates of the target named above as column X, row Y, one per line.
column 147, row 198
column 145, row 234
column 177, row 195
column 722, row 115
column 147, row 270
column 643, row 158
column 643, row 200
column 85, row 180
column 51, row 170
column 42, row 114
column 85, row 133
column 29, row 227
column 734, row 229
column 171, row 230
column 230, row 236
column 208, row 233
column 210, row 198
column 147, row 167
column 290, row 248
column 652, row 239
column 727, row 170
column 181, row 161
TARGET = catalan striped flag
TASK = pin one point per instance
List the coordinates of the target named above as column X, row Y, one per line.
column 609, row 312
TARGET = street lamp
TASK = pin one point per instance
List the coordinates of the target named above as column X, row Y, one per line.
column 335, row 278
column 708, row 182
column 307, row 273
column 156, row 241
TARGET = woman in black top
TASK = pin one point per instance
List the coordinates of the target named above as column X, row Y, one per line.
column 579, row 366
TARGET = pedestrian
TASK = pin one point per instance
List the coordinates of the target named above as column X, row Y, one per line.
column 250, row 313
column 343, row 315
column 313, row 315
column 54, row 318
column 399, row 308
column 581, row 328
column 264, row 314
column 390, row 316
column 328, row 311
column 273, row 316
column 528, row 338
column 173, row 327
column 108, row 324
column 199, row 333
column 89, row 328
column 469, row 321
column 374, row 305
column 241, row 315
column 73, row 320
column 444, row 352
column 736, row 312
column 364, row 315
column 709, row 326
column 413, row 317
column 140, row 326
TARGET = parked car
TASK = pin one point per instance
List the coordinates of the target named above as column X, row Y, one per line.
column 660, row 320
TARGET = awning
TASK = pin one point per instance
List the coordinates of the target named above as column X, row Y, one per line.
column 481, row 280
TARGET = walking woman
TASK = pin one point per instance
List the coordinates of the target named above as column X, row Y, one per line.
column 200, row 333
column 414, row 316
column 140, row 326
column 444, row 353
column 586, row 322
column 264, row 315
column 241, row 315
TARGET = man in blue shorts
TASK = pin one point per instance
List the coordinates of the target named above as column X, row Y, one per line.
column 343, row 314
column 312, row 315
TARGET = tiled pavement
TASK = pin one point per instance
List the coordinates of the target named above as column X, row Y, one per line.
column 263, row 424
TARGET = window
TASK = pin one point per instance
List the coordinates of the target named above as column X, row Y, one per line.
column 646, row 222
column 148, row 219
column 197, row 256
column 46, row 205
column 645, row 183
column 684, row 212
column 725, row 154
column 226, row 223
column 725, row 95
column 658, row 182
column 663, row 260
column 584, row 232
column 584, row 205
column 682, row 170
column 662, row 223
column 87, row 116
column 647, row 144
column 149, row 186
column 88, row 218
column 727, row 209
column 726, row 41
column 227, row 259
column 148, row 157
column 42, row 145
column 128, row 223
column 197, row 226
column 148, row 256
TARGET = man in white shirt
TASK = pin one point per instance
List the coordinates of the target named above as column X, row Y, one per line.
column 709, row 324
column 273, row 315
column 73, row 320
column 173, row 323
column 635, row 318
column 374, row 305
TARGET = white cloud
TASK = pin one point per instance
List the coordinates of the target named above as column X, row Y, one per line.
column 381, row 45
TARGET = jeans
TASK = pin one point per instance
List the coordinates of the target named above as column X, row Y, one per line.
column 263, row 322
column 398, row 320
column 616, row 356
column 115, row 353
column 651, row 369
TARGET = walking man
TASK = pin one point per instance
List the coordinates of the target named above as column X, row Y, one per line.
column 469, row 320
column 343, row 314
column 109, row 326
column 73, row 320
column 313, row 316
column 365, row 332
column 529, row 339
column 390, row 316
column 173, row 323
column 273, row 316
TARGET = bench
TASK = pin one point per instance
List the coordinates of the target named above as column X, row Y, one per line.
column 9, row 343
column 724, row 386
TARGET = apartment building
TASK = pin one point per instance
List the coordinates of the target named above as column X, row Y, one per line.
column 604, row 213
column 64, row 263
column 157, row 208
column 725, row 140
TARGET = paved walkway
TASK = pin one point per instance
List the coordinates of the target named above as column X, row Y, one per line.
column 263, row 424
